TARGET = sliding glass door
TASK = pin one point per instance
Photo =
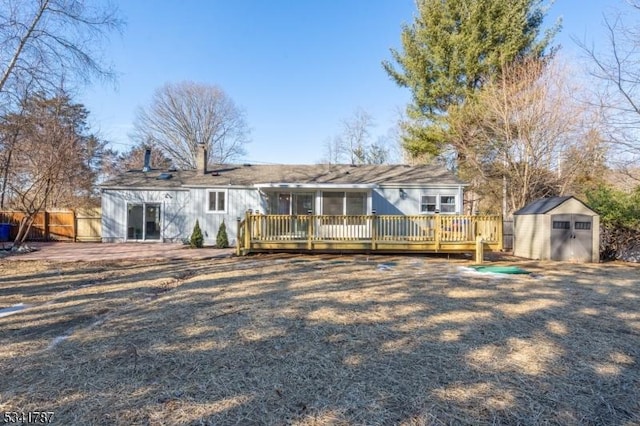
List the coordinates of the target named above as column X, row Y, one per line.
column 143, row 222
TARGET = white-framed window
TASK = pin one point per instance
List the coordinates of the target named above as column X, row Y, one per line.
column 447, row 204
column 344, row 203
column 217, row 201
column 430, row 204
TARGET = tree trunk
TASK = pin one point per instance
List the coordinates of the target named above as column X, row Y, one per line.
column 5, row 176
column 23, row 230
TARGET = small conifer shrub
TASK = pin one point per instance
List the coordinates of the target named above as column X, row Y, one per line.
column 222, row 241
column 196, row 240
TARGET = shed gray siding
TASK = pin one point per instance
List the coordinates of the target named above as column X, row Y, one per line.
column 532, row 232
column 531, row 236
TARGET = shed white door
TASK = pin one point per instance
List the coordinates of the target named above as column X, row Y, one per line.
column 571, row 237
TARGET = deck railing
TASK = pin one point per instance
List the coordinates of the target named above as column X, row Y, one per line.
column 369, row 232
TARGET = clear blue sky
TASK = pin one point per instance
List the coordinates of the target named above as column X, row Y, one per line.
column 297, row 67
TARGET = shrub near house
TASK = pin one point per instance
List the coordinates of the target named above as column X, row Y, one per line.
column 222, row 241
column 197, row 240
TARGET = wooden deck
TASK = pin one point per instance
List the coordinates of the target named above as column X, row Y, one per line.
column 427, row 234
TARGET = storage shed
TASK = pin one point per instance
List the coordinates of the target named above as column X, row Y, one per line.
column 557, row 228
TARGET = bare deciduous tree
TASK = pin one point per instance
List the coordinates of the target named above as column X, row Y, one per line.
column 334, row 151
column 353, row 145
column 514, row 139
column 53, row 157
column 46, row 42
column 182, row 115
column 43, row 44
column 9, row 132
column 356, row 132
column 616, row 66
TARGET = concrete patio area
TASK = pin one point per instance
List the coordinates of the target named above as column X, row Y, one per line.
column 91, row 252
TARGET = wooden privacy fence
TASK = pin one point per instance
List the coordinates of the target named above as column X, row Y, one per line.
column 88, row 224
column 507, row 227
column 434, row 233
column 82, row 224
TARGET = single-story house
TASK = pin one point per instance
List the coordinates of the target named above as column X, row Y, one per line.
column 163, row 205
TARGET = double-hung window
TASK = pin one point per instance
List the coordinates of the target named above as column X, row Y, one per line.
column 447, row 204
column 217, row 201
column 430, row 204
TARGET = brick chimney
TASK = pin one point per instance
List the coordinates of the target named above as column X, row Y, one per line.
column 201, row 159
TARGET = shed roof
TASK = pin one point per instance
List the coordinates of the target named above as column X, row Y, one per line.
column 545, row 205
column 249, row 175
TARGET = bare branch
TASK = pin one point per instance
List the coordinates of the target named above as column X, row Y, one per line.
column 353, row 144
column 616, row 67
column 527, row 130
column 185, row 114
column 45, row 42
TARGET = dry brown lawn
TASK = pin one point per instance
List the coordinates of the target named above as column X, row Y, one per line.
column 314, row 340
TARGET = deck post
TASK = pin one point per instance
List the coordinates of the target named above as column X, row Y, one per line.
column 501, row 233
column 374, row 229
column 238, row 243
column 310, row 230
column 247, row 232
column 438, row 230
column 479, row 250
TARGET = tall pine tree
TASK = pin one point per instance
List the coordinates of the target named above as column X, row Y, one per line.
column 451, row 49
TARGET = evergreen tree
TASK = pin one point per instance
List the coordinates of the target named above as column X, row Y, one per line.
column 222, row 241
column 451, row 49
column 197, row 240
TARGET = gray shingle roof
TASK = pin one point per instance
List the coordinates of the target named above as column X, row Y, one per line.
column 542, row 205
column 249, row 175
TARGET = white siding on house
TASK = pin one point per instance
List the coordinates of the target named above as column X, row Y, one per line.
column 238, row 201
column 174, row 212
column 181, row 208
column 387, row 200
